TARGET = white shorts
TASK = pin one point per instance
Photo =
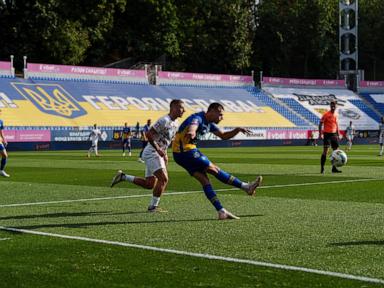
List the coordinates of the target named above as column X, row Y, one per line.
column 349, row 137
column 94, row 143
column 153, row 162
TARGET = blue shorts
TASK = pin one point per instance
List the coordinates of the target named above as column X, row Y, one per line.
column 2, row 147
column 192, row 161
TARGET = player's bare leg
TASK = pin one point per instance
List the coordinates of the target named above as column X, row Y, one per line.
column 4, row 157
column 158, row 190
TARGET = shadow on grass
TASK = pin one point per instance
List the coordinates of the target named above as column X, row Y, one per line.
column 101, row 223
column 66, row 214
column 357, row 243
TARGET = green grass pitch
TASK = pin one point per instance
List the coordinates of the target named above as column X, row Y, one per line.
column 299, row 218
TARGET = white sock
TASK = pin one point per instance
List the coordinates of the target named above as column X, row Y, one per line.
column 128, row 178
column 244, row 186
column 381, row 150
column 154, row 201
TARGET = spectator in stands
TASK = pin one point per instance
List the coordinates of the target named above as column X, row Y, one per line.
column 381, row 136
column 3, row 151
column 126, row 136
column 349, row 134
column 159, row 136
column 144, row 139
column 187, row 155
column 330, row 134
column 94, row 137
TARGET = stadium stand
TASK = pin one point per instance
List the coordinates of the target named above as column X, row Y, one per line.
column 68, row 103
column 373, row 93
column 298, row 108
column 310, row 99
column 202, row 80
column 7, row 70
column 271, row 102
column 81, row 73
column 61, row 103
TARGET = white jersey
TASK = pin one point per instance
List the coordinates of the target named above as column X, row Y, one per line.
column 349, row 130
column 95, row 134
column 381, row 132
column 166, row 130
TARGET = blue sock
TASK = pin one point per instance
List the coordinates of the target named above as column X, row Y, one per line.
column 3, row 162
column 211, row 195
column 228, row 179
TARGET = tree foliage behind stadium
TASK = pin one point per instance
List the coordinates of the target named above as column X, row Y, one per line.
column 282, row 38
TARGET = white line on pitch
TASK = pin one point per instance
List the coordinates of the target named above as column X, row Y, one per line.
column 181, row 193
column 200, row 255
column 3, row 239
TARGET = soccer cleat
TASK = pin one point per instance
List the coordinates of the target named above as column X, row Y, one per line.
column 124, row 154
column 226, row 215
column 156, row 209
column 334, row 170
column 253, row 185
column 140, row 160
column 118, row 178
column 4, row 174
column 129, row 154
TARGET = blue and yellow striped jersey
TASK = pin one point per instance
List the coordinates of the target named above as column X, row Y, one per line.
column 181, row 144
column 1, row 128
column 144, row 132
column 126, row 133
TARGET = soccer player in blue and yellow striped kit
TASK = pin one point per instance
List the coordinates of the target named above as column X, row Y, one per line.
column 3, row 151
column 187, row 155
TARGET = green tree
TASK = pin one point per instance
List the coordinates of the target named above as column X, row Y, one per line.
column 217, row 35
column 371, row 44
column 55, row 31
column 297, row 38
column 145, row 30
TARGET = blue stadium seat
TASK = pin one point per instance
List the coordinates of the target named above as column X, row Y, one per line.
column 300, row 109
column 269, row 101
column 363, row 107
column 378, row 106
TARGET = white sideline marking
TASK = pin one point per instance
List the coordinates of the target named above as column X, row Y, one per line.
column 179, row 193
column 3, row 239
column 200, row 255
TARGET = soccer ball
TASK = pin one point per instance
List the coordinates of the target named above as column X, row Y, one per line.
column 338, row 158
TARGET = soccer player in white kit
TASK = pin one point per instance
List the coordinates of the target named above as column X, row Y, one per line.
column 94, row 137
column 349, row 134
column 381, row 136
column 160, row 135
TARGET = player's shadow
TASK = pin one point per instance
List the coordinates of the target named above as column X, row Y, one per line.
column 65, row 214
column 93, row 224
column 358, row 243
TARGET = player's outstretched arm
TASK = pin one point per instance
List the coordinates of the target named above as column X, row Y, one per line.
column 5, row 140
column 232, row 133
